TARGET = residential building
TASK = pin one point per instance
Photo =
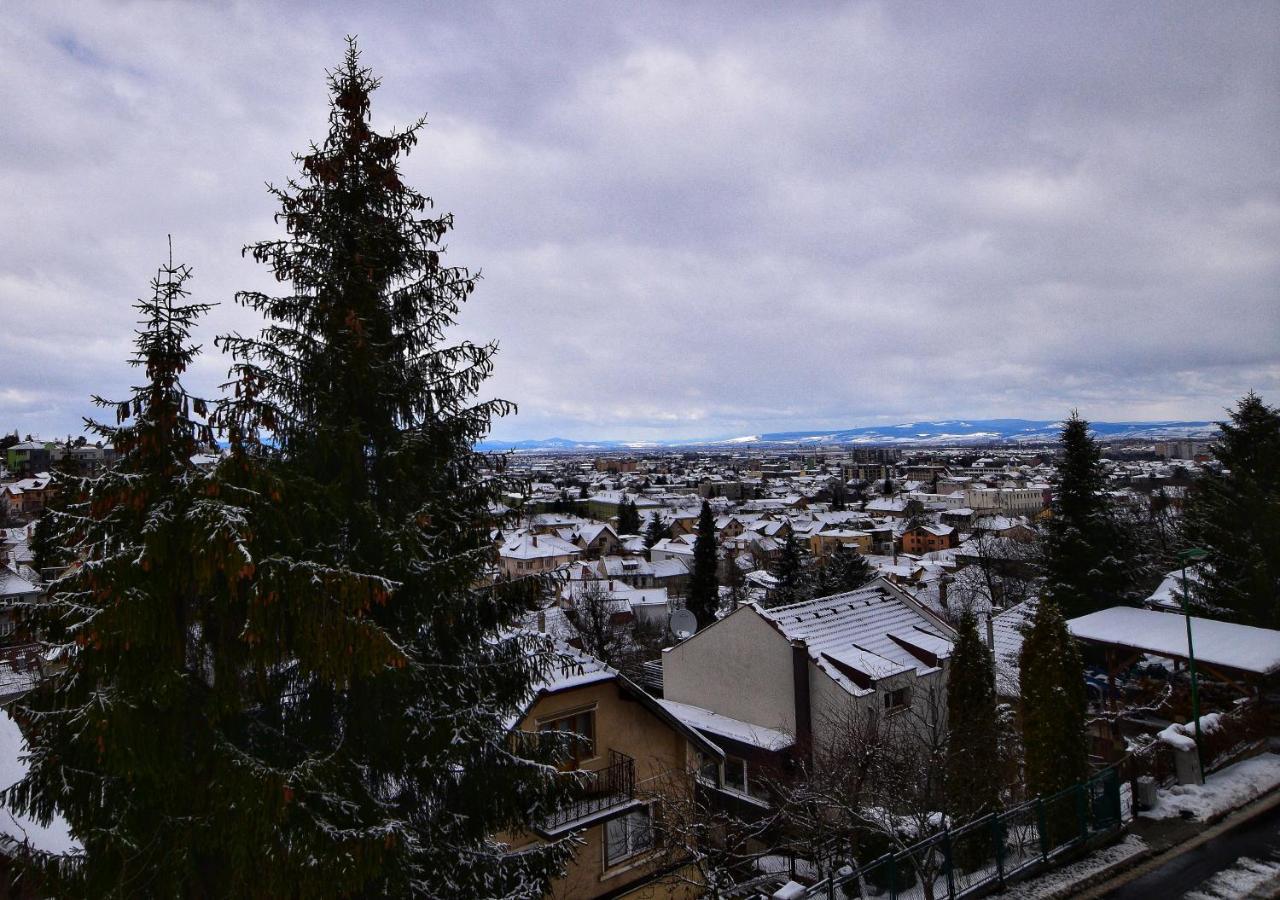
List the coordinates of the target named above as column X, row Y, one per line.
column 802, row 669
column 632, row 751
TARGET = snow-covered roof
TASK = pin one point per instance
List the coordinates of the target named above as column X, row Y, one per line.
column 537, row 546
column 52, row 838
column 13, row 585
column 866, row 663
column 723, row 726
column 1006, row 630
column 1241, row 647
column 855, row 629
column 1169, row 594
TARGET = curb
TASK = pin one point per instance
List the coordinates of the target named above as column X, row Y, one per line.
column 1102, row 876
column 1141, row 863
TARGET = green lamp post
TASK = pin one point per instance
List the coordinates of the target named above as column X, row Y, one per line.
column 1192, row 555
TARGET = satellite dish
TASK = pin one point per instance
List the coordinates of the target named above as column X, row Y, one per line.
column 683, row 624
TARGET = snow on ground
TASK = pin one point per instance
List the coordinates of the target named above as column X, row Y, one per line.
column 52, row 838
column 1222, row 791
column 1247, row 878
column 1059, row 882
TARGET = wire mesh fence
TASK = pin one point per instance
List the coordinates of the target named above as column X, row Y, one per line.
column 984, row 853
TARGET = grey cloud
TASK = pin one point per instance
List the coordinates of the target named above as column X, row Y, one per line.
column 691, row 222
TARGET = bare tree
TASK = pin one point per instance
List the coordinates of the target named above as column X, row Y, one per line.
column 711, row 841
column 876, row 783
column 596, row 625
column 1004, row 573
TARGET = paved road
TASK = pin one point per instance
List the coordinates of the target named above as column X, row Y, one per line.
column 1258, row 839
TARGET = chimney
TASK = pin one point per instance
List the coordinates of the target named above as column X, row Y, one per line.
column 542, row 621
column 804, row 710
column 535, row 540
column 991, row 633
column 942, row 590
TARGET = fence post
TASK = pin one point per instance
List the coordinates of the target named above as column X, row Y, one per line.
column 949, row 861
column 1113, row 794
column 1043, row 824
column 997, row 840
column 1082, row 809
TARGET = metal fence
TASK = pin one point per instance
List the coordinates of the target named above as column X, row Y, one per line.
column 981, row 855
column 603, row 789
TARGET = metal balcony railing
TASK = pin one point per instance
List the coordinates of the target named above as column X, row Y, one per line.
column 600, row 790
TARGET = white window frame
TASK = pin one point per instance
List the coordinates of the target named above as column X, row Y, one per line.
column 631, row 833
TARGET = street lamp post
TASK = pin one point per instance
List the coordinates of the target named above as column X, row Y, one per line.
column 1192, row 555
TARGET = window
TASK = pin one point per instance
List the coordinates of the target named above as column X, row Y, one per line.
column 627, row 836
column 735, row 773
column 897, row 700
column 709, row 768
column 582, row 725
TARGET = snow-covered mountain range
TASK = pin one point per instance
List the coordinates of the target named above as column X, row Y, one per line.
column 951, row 433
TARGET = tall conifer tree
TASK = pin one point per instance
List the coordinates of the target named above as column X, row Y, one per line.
column 1090, row 561
column 1235, row 515
column 704, row 585
column 396, row 748
column 973, row 779
column 127, row 740
column 1051, row 677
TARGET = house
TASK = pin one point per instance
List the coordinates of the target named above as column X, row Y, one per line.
column 15, row 593
column 680, row 548
column 928, row 539
column 892, row 507
column 824, row 543
column 596, row 540
column 28, row 496
column 631, row 750
column 529, row 553
column 28, row 457
column 800, row 670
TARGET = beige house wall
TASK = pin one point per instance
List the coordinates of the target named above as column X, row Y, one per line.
column 659, row 751
column 740, row 667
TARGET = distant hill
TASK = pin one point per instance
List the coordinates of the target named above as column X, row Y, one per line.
column 950, row 432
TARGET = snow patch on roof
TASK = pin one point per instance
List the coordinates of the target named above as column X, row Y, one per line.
column 723, row 726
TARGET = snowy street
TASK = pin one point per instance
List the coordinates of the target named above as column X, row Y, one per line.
column 1242, row 862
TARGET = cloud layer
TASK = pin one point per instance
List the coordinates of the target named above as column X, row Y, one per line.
column 691, row 222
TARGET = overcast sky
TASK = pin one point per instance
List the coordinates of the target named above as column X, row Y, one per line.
column 693, row 220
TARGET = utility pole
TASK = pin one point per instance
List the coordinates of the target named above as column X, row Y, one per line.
column 1192, row 555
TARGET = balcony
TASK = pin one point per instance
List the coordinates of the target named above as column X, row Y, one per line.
column 601, row 794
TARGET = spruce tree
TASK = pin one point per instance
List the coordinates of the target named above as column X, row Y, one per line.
column 1090, row 561
column 792, row 573
column 845, row 570
column 1235, row 515
column 704, row 585
column 1053, row 704
column 655, row 531
column 628, row 518
column 396, row 748
column 973, row 785
column 127, row 738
